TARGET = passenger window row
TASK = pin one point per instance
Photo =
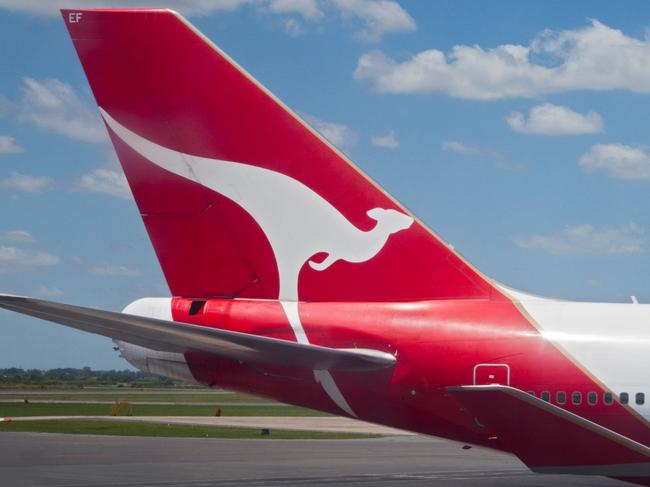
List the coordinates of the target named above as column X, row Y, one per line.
column 639, row 398
column 592, row 397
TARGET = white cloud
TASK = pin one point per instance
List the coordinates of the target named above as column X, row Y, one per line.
column 497, row 159
column 549, row 119
column 54, row 105
column 308, row 9
column 26, row 183
column 618, row 161
column 386, row 141
column 107, row 181
column 13, row 259
column 108, row 270
column 17, row 236
column 588, row 240
column 48, row 292
column 378, row 17
column 8, row 145
column 187, row 7
column 338, row 134
column 293, row 27
column 459, row 148
column 595, row 57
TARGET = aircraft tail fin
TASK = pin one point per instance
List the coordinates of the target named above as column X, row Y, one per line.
column 241, row 197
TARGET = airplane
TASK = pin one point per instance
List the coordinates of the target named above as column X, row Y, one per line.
column 295, row 277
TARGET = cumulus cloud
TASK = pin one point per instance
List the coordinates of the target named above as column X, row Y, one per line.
column 16, row 236
column 48, row 292
column 588, row 240
column 26, row 183
column 107, row 181
column 338, row 134
column 596, row 57
column 386, row 141
column 375, row 18
column 617, row 161
column 187, row 7
column 109, row 270
column 549, row 119
column 293, row 27
column 460, row 148
column 8, row 145
column 378, row 17
column 497, row 159
column 13, row 259
column 308, row 9
column 53, row 105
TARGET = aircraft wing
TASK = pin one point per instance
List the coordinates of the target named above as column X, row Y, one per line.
column 549, row 439
column 170, row 336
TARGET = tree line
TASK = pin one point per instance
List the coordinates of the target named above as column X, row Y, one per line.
column 83, row 377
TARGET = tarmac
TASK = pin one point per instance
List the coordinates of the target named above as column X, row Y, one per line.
column 54, row 460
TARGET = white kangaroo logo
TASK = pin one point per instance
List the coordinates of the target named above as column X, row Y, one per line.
column 355, row 245
column 297, row 222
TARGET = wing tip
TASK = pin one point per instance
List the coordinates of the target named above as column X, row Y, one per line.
column 11, row 297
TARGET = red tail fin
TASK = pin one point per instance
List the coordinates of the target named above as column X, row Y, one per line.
column 240, row 197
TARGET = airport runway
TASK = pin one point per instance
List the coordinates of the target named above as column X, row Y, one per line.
column 36, row 459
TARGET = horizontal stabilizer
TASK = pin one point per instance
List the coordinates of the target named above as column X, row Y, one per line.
column 549, row 439
column 171, row 336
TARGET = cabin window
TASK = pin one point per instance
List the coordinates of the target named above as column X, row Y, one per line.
column 560, row 397
column 576, row 398
column 546, row 396
column 532, row 393
column 608, row 398
column 640, row 398
column 624, row 398
column 592, row 398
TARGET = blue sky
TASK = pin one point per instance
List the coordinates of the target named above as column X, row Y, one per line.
column 518, row 131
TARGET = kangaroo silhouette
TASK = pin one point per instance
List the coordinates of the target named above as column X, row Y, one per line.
column 298, row 224
column 358, row 246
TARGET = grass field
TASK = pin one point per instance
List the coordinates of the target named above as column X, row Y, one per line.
column 173, row 402
column 118, row 428
column 72, row 409
column 127, row 395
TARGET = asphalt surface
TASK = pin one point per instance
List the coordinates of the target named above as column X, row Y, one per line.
column 35, row 459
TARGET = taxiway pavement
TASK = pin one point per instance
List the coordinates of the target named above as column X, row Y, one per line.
column 53, row 460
